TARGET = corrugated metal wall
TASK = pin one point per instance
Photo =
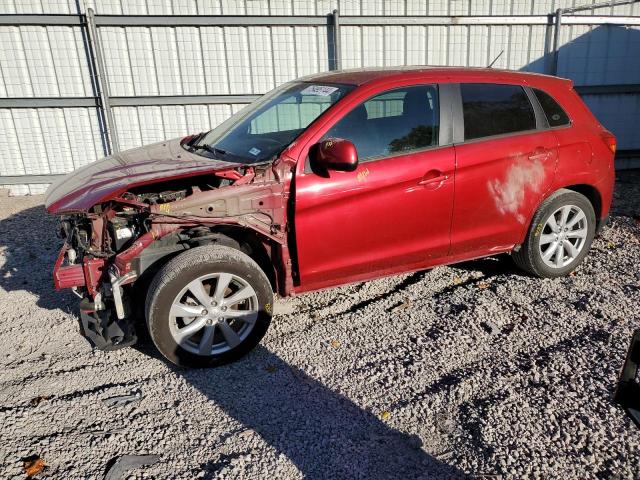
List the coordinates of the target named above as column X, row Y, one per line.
column 309, row 7
column 51, row 61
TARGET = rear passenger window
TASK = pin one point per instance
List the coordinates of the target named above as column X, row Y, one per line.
column 396, row 121
column 491, row 109
column 556, row 116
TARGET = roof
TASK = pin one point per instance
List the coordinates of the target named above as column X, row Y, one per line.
column 360, row 76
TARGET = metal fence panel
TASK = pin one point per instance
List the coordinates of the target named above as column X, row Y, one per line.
column 588, row 55
column 620, row 114
column 464, row 45
column 43, row 62
column 148, row 124
column 308, row 7
column 47, row 140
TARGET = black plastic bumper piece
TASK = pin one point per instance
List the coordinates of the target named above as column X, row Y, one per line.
column 104, row 330
column 628, row 391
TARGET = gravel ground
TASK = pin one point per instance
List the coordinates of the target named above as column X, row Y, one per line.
column 470, row 371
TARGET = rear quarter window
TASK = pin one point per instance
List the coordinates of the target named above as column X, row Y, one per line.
column 492, row 109
column 556, row 116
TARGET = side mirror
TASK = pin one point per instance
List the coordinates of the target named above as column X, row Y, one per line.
column 336, row 154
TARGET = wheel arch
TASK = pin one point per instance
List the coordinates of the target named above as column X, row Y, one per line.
column 592, row 194
column 258, row 247
column 248, row 241
column 589, row 191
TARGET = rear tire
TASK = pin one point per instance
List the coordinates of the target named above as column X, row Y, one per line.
column 559, row 236
column 208, row 306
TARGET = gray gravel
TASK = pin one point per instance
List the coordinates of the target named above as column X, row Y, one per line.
column 469, row 371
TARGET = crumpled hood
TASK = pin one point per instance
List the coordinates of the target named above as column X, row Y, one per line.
column 111, row 176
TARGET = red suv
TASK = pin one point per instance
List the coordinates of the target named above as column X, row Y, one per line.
column 336, row 178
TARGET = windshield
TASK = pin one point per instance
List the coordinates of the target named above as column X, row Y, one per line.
column 263, row 129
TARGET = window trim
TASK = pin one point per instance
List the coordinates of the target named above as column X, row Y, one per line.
column 400, row 154
column 542, row 123
column 459, row 115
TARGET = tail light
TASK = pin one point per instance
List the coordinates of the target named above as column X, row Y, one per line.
column 610, row 141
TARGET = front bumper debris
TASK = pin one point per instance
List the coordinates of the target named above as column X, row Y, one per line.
column 103, row 330
column 628, row 390
column 86, row 274
column 103, row 315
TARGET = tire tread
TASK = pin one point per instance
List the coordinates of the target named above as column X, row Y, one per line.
column 193, row 258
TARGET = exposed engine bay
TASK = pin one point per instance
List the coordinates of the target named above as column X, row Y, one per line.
column 118, row 243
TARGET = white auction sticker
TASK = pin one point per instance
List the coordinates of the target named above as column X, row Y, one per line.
column 322, row 90
column 254, row 151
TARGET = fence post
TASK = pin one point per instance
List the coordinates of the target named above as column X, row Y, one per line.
column 556, row 41
column 102, row 81
column 95, row 87
column 548, row 43
column 335, row 62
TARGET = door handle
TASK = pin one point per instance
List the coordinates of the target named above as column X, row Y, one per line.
column 540, row 154
column 434, row 178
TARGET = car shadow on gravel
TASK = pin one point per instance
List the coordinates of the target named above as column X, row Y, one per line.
column 322, row 432
column 31, row 247
column 490, row 266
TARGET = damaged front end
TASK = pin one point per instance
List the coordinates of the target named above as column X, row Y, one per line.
column 82, row 266
column 109, row 249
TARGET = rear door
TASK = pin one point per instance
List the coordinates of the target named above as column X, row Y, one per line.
column 505, row 163
column 394, row 211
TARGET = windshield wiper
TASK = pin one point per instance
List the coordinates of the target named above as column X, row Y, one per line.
column 208, row 148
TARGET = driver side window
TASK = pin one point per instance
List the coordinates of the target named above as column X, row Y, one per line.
column 397, row 121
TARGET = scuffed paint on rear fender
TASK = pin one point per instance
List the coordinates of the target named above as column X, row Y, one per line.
column 509, row 194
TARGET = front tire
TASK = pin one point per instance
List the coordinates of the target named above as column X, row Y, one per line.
column 559, row 236
column 208, row 306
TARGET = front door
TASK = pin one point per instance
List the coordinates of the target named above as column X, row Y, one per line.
column 394, row 211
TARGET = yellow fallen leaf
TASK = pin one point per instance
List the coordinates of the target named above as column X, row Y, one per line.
column 483, row 285
column 386, row 415
column 335, row 344
column 457, row 280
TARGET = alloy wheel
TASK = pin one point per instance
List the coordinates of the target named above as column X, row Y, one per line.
column 563, row 236
column 213, row 314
